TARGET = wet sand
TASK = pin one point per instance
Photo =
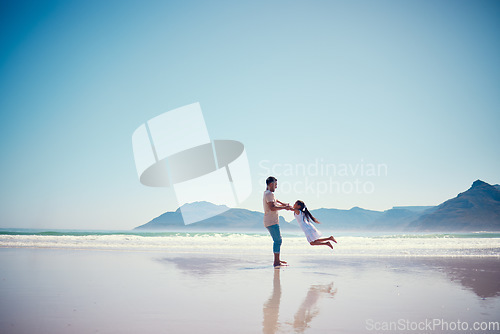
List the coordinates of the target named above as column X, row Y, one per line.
column 91, row 291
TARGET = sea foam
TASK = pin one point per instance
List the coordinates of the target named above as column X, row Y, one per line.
column 441, row 245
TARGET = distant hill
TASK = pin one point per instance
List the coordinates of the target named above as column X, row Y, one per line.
column 477, row 209
column 418, row 209
column 352, row 220
column 230, row 220
column 399, row 218
column 358, row 219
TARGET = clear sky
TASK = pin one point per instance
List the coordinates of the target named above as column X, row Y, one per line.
column 349, row 103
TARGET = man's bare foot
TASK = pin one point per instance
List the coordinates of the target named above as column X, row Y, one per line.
column 329, row 245
column 279, row 264
column 332, row 239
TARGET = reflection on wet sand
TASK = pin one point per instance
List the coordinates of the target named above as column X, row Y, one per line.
column 201, row 266
column 272, row 306
column 482, row 276
column 308, row 309
column 479, row 275
column 305, row 313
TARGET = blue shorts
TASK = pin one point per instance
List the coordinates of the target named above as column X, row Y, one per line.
column 274, row 230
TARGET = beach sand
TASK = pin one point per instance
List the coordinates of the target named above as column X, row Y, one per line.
column 96, row 291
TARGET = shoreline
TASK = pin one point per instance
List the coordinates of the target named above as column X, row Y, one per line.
column 469, row 246
column 221, row 252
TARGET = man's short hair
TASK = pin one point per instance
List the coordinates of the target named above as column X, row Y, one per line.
column 270, row 180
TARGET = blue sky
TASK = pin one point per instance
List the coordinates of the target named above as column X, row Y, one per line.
column 412, row 86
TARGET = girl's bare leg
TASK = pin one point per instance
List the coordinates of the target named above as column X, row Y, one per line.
column 319, row 242
column 327, row 239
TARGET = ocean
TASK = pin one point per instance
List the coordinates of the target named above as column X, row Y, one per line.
column 479, row 244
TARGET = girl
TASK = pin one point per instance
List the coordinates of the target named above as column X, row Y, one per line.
column 305, row 220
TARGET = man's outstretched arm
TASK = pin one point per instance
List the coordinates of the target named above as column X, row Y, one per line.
column 274, row 207
column 284, row 204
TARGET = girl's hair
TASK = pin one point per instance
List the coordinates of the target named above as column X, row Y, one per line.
column 307, row 214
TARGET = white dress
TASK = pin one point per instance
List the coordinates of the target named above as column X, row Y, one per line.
column 309, row 230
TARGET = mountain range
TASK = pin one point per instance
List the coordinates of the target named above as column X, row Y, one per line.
column 230, row 220
column 476, row 209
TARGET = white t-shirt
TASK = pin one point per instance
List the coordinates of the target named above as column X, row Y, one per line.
column 270, row 217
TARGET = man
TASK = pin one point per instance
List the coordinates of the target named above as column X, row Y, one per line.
column 271, row 217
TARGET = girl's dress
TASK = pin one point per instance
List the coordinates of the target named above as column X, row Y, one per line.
column 309, row 230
